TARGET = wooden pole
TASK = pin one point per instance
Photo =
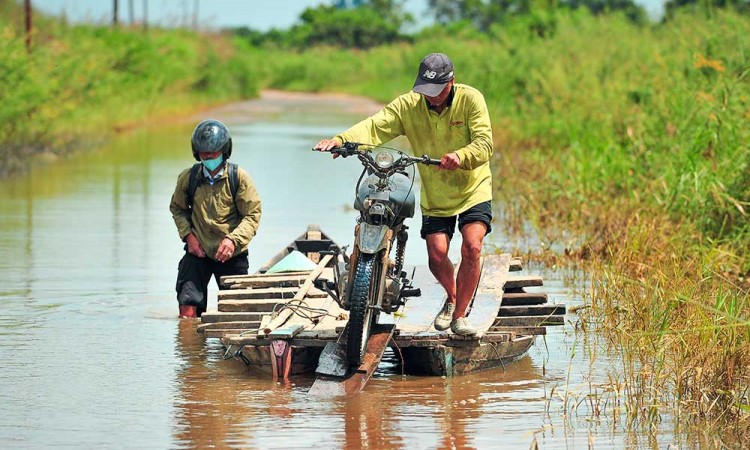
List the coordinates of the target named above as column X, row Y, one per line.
column 145, row 15
column 29, row 25
column 114, row 12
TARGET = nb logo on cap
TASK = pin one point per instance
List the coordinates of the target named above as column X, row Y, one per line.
column 431, row 74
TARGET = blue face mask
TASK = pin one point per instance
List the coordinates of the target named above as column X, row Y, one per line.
column 212, row 164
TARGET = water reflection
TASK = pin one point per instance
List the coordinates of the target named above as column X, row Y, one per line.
column 208, row 408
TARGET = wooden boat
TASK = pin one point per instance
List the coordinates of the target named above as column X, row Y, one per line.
column 280, row 323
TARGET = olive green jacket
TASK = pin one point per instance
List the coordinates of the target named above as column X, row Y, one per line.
column 215, row 215
column 463, row 127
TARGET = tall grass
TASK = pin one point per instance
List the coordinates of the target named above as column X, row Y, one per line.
column 634, row 140
column 86, row 81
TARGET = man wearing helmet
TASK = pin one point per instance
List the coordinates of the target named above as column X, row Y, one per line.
column 216, row 209
column 449, row 122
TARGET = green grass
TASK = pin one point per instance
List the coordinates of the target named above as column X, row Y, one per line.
column 84, row 82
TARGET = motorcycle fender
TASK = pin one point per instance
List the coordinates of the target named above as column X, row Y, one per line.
column 372, row 238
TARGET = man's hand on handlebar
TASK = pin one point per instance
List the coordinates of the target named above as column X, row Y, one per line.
column 326, row 145
column 451, row 161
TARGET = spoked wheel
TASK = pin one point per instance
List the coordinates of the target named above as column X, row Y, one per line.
column 360, row 316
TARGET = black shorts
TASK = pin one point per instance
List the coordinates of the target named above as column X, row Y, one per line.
column 477, row 213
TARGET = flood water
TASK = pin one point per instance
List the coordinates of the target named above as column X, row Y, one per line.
column 93, row 355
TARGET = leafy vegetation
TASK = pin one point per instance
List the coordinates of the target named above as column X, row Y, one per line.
column 83, row 81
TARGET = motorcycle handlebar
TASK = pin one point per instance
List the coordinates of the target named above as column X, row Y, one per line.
column 351, row 148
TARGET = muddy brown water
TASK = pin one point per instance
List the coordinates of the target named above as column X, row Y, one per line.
column 94, row 357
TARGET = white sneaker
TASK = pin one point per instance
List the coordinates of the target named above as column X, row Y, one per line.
column 445, row 318
column 461, row 326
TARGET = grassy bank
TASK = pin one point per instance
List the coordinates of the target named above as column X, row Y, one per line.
column 633, row 139
column 83, row 83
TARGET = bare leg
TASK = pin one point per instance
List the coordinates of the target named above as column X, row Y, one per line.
column 188, row 311
column 468, row 271
column 439, row 263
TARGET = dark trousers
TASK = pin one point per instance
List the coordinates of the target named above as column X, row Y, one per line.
column 194, row 274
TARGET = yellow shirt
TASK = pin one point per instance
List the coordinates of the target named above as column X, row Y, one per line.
column 462, row 127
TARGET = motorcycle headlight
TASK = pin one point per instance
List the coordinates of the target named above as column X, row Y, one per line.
column 384, row 160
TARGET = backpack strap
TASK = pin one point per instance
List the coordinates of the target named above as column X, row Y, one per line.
column 193, row 183
column 234, row 181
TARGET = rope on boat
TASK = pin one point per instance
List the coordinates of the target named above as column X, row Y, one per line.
column 400, row 355
column 236, row 354
column 302, row 310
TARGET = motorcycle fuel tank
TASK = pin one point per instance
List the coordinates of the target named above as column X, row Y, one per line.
column 400, row 194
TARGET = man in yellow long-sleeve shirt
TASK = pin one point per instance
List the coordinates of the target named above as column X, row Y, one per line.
column 449, row 122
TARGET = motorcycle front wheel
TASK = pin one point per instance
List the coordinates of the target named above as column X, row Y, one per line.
column 360, row 316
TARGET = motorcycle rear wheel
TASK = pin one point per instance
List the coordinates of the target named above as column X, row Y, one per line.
column 360, row 316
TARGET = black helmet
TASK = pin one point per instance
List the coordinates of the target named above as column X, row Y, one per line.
column 211, row 136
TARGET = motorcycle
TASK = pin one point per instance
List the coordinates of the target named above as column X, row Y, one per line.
column 371, row 282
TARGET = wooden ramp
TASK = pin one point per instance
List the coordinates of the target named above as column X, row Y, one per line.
column 333, row 379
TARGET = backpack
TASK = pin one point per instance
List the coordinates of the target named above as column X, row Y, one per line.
column 234, row 181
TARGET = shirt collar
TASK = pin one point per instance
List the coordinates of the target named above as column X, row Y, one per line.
column 448, row 102
column 207, row 175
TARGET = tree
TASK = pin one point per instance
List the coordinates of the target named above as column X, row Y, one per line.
column 483, row 13
column 355, row 24
column 673, row 5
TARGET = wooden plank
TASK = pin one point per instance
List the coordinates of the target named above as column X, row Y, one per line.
column 354, row 383
column 230, row 280
column 533, row 310
column 284, row 315
column 222, row 332
column 489, row 295
column 267, row 282
column 524, row 298
column 521, row 281
column 260, row 305
column 228, row 326
column 262, row 293
column 419, row 313
column 211, row 317
column 521, row 331
column 530, row 321
column 286, row 332
column 516, row 265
